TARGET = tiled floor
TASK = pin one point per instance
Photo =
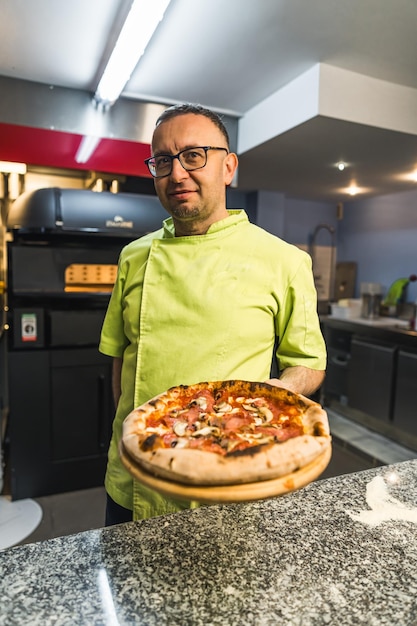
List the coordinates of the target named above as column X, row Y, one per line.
column 366, row 442
column 354, row 449
column 69, row 513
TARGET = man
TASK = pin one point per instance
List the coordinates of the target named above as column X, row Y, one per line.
column 204, row 298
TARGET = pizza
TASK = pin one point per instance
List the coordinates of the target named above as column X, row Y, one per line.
column 225, row 433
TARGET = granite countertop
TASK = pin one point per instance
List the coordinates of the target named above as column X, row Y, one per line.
column 339, row 551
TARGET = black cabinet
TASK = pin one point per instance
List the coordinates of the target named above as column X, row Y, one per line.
column 405, row 413
column 371, row 377
column 338, row 362
column 61, row 411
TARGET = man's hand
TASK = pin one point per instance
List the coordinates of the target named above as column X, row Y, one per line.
column 299, row 379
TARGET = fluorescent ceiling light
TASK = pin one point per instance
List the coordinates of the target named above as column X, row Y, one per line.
column 86, row 148
column 137, row 30
column 10, row 167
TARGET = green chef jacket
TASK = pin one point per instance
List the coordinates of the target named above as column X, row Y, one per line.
column 208, row 307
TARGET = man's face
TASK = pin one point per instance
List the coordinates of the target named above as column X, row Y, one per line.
column 194, row 199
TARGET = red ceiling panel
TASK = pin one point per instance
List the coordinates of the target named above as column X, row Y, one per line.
column 50, row 148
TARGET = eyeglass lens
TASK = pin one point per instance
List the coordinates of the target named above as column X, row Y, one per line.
column 191, row 159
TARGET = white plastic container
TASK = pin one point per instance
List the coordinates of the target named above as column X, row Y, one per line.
column 347, row 309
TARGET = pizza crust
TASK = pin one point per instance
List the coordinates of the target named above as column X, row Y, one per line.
column 198, row 467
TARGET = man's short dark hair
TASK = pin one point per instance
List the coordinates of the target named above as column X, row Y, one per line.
column 195, row 109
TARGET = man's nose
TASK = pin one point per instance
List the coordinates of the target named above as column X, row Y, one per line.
column 178, row 171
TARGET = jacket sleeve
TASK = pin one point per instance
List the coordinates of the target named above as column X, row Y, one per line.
column 113, row 340
column 300, row 340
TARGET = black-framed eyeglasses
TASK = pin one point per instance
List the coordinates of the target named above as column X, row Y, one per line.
column 191, row 159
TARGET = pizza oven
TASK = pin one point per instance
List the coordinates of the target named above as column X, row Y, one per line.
column 62, row 253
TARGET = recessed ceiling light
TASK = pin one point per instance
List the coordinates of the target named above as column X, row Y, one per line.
column 341, row 166
column 354, row 190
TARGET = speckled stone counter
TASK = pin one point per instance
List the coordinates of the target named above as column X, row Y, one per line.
column 340, row 551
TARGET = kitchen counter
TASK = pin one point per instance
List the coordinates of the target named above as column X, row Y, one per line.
column 371, row 374
column 385, row 329
column 340, row 551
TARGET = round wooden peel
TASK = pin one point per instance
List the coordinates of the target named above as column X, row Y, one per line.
column 216, row 494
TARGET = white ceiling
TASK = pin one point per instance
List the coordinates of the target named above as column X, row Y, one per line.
column 235, row 55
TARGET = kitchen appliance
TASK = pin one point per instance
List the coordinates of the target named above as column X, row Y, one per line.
column 63, row 247
column 371, row 294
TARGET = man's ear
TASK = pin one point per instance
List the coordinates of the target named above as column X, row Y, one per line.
column 230, row 166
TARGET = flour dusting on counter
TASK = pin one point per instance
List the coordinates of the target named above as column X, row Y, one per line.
column 384, row 508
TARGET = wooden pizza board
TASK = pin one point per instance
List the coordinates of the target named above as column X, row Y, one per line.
column 218, row 494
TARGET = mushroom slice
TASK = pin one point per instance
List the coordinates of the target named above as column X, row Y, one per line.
column 266, row 413
column 181, row 443
column 201, row 401
column 180, row 428
column 206, row 430
column 159, row 430
column 223, row 407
